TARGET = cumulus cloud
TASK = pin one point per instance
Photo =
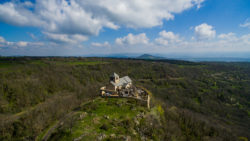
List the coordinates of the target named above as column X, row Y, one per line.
column 2, row 40
column 167, row 38
column 65, row 38
column 131, row 39
column 246, row 23
column 22, row 44
column 245, row 39
column 228, row 37
column 55, row 17
column 88, row 17
column 105, row 44
column 172, row 43
column 18, row 14
column 7, row 44
column 138, row 13
column 204, row 31
column 226, row 42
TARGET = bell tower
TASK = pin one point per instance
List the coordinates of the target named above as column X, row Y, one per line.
column 115, row 78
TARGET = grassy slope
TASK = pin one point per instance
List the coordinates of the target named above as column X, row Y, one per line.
column 113, row 119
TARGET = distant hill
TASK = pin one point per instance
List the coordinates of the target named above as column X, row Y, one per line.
column 150, row 57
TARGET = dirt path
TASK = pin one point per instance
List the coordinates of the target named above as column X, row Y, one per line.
column 55, row 126
column 14, row 117
column 58, row 123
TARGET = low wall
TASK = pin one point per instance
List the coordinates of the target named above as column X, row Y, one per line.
column 142, row 101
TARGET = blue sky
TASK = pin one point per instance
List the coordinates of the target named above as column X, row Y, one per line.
column 202, row 28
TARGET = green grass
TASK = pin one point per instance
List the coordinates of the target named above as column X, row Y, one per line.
column 118, row 111
column 6, row 64
column 10, row 64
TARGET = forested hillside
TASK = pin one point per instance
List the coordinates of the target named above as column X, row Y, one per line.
column 201, row 101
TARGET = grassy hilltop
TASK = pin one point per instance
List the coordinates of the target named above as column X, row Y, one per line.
column 200, row 101
column 113, row 119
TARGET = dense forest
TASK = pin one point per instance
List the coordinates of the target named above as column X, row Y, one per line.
column 201, row 101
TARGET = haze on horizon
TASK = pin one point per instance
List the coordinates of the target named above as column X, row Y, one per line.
column 199, row 28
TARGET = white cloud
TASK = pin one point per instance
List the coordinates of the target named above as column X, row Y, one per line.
column 105, row 44
column 2, row 40
column 28, row 4
column 227, row 42
column 138, row 13
column 88, row 17
column 7, row 44
column 168, row 42
column 204, row 31
column 224, row 43
column 131, row 39
column 228, row 37
column 15, row 14
column 245, row 39
column 32, row 36
column 22, row 44
column 246, row 23
column 167, row 38
column 69, row 18
column 65, row 38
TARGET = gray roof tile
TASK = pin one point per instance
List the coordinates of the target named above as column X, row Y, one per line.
column 123, row 81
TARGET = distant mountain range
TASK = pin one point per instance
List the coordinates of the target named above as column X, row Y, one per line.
column 192, row 59
column 150, row 57
column 181, row 57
